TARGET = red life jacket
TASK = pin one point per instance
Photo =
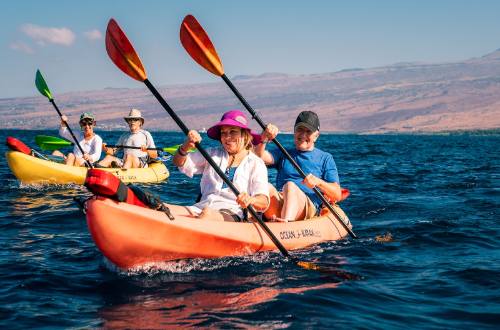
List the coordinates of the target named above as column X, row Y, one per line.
column 103, row 183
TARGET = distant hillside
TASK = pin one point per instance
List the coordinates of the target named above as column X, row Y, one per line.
column 404, row 97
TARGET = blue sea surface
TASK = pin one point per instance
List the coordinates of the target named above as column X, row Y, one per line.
column 425, row 208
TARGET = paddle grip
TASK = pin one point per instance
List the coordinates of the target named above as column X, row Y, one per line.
column 287, row 155
column 71, row 132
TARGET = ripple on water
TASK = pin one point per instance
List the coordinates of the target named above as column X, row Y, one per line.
column 425, row 209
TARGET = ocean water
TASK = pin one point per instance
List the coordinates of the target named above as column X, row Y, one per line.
column 425, row 208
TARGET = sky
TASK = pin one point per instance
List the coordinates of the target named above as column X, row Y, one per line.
column 65, row 39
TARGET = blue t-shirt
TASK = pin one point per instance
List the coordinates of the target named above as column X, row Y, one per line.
column 315, row 162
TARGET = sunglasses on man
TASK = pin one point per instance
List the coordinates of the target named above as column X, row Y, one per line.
column 131, row 120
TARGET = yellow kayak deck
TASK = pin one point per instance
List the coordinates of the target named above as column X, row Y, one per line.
column 32, row 170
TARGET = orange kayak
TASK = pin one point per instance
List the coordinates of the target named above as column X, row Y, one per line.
column 131, row 236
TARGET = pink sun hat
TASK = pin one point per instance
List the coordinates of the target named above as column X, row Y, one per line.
column 232, row 118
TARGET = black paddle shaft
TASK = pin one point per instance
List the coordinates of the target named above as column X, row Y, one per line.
column 70, row 131
column 131, row 147
column 216, row 168
column 287, row 155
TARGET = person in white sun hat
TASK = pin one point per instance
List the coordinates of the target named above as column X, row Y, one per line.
column 136, row 137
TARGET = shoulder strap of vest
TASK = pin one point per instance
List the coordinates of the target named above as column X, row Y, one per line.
column 151, row 200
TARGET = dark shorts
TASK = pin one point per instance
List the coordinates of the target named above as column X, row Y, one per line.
column 230, row 216
column 144, row 161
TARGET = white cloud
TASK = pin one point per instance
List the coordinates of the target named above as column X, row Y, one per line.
column 21, row 47
column 42, row 35
column 93, row 34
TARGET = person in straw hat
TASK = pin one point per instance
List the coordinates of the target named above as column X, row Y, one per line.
column 136, row 137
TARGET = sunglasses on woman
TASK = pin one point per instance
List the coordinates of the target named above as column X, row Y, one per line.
column 86, row 123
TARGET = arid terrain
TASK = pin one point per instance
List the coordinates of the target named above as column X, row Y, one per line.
column 404, row 97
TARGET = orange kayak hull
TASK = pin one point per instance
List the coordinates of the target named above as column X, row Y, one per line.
column 131, row 236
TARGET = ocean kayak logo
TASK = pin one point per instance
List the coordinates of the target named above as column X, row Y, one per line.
column 125, row 177
column 299, row 233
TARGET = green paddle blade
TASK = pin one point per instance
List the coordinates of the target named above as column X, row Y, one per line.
column 51, row 142
column 41, row 85
column 171, row 150
column 50, row 146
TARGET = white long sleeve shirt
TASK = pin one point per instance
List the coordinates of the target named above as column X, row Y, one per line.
column 93, row 146
column 250, row 177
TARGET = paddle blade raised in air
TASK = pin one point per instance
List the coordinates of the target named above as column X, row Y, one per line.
column 198, row 45
column 122, row 53
column 41, row 85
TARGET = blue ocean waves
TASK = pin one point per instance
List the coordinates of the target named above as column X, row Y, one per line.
column 425, row 208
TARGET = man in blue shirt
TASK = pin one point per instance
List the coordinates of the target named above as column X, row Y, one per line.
column 293, row 198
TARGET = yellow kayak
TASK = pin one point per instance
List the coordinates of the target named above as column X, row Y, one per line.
column 32, row 170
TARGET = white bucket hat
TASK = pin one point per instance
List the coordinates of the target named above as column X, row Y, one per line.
column 134, row 114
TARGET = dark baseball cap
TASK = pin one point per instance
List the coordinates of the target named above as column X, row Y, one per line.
column 307, row 119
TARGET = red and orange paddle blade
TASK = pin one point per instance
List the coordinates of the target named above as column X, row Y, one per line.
column 122, row 53
column 198, row 45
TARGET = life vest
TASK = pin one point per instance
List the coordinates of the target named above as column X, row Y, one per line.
column 17, row 145
column 103, row 183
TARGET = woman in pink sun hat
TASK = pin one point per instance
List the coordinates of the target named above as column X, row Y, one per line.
column 235, row 157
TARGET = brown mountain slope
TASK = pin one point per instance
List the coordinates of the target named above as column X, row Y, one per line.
column 406, row 97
